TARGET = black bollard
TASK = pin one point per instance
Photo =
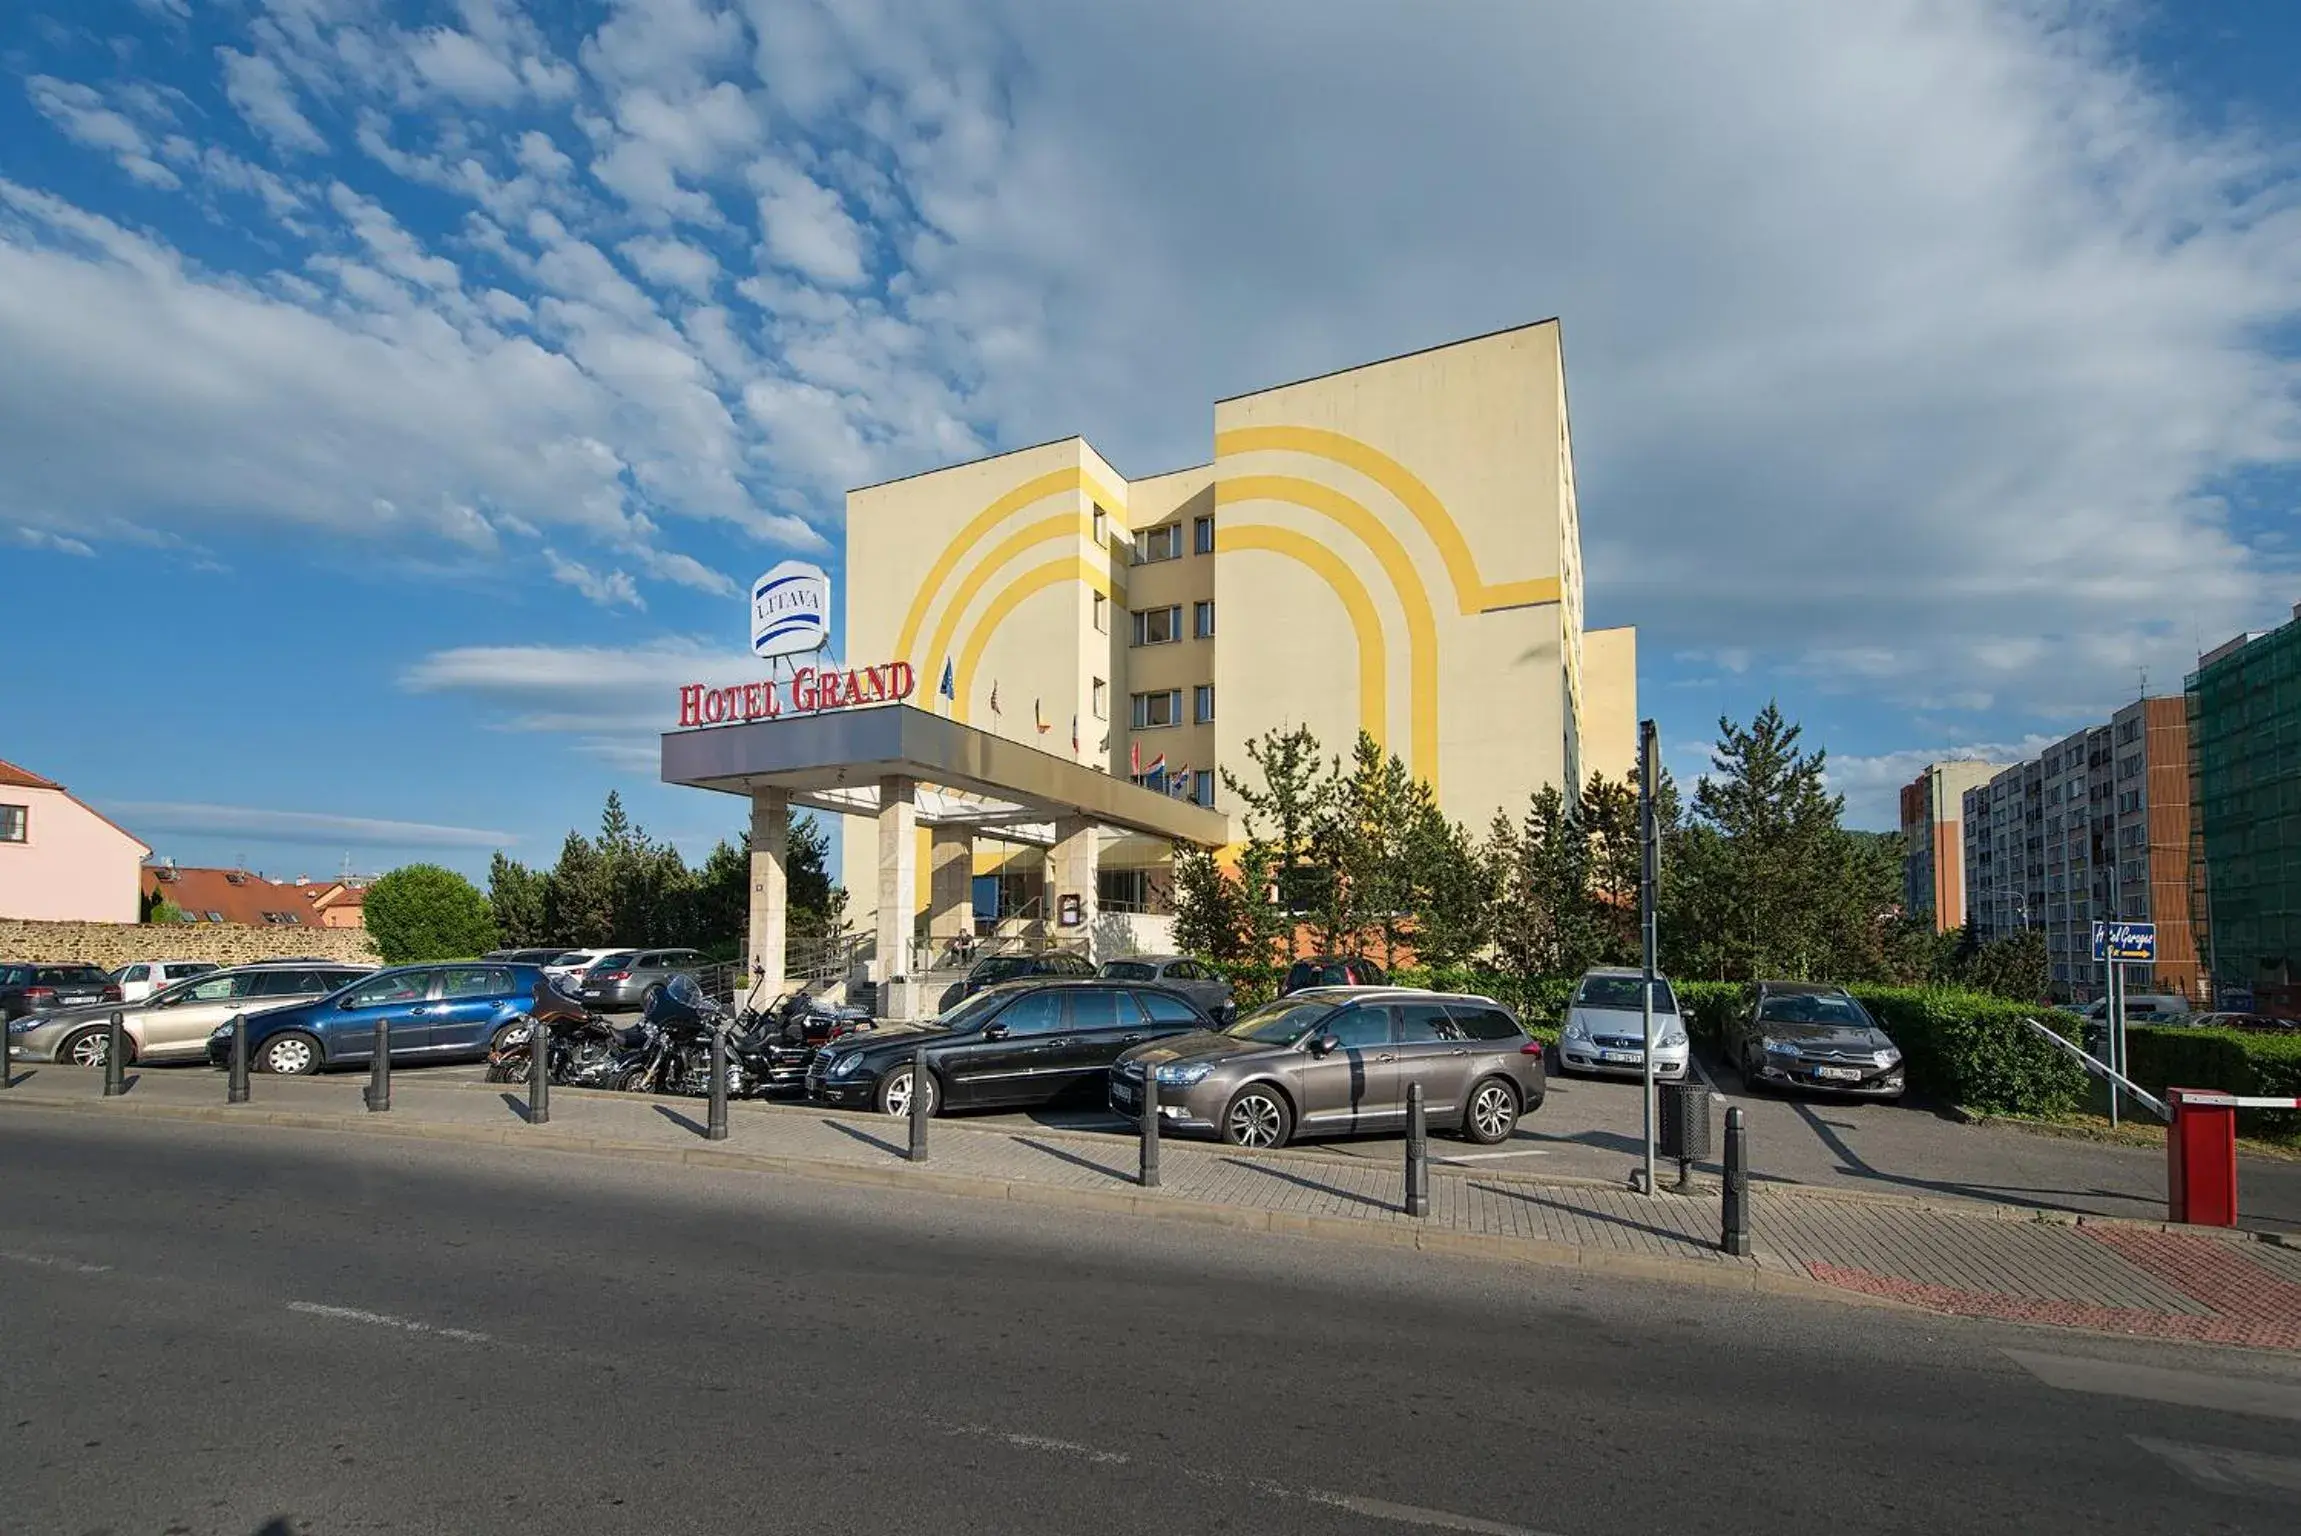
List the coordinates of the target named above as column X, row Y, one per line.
column 115, row 1058
column 538, row 1072
column 716, row 1130
column 1148, row 1177
column 1417, row 1154
column 379, row 1071
column 919, row 1092
column 1735, row 1236
column 236, row 1091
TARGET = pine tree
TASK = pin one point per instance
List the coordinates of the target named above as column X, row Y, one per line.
column 515, row 894
column 578, row 904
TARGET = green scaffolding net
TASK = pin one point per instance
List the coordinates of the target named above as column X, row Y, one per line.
column 2245, row 743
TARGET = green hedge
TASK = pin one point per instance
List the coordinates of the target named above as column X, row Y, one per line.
column 2234, row 1061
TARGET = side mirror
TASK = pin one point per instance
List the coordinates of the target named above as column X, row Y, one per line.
column 346, row 1005
column 1325, row 1045
column 994, row 1032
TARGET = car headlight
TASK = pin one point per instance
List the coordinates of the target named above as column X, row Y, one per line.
column 1184, row 1076
column 1577, row 1027
column 1673, row 1038
column 847, row 1066
column 222, row 1031
column 1887, row 1057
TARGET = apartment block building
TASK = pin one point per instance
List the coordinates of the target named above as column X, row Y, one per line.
column 2096, row 827
column 2245, row 732
column 1933, row 830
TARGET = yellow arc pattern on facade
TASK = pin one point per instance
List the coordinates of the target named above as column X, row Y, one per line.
column 1471, row 591
column 1052, row 530
column 1053, row 483
column 1398, row 565
column 1365, row 618
column 1012, row 596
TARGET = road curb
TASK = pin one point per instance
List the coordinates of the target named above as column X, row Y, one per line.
column 1389, row 1231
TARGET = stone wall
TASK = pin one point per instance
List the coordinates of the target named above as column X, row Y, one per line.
column 114, row 944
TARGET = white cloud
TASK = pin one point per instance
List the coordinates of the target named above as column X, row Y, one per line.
column 673, row 264
column 456, row 64
column 1872, row 783
column 805, row 225
column 665, row 143
column 613, row 700
column 662, row 42
column 255, row 85
column 194, row 820
column 54, row 543
column 84, row 118
column 608, row 589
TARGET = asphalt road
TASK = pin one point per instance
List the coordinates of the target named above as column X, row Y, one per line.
column 213, row 1331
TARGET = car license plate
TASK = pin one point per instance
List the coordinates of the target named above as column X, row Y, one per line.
column 1629, row 1056
column 1839, row 1074
column 1124, row 1096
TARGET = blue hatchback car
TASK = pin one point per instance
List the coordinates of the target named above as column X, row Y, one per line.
column 450, row 1012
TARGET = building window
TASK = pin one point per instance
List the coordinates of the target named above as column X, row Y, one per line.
column 13, row 822
column 1156, row 709
column 1202, row 620
column 1202, row 703
column 1102, row 527
column 1202, row 787
column 1202, row 536
column 1102, row 699
column 2130, row 766
column 1158, row 626
column 1161, row 543
column 1102, row 614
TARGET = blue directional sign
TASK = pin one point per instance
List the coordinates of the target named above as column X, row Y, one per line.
column 2132, row 942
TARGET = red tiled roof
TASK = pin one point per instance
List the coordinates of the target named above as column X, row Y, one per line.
column 240, row 896
column 24, row 778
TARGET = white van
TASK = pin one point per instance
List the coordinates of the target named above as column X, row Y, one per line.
column 2145, row 1008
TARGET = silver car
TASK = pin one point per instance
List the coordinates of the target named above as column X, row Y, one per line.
column 1177, row 973
column 1605, row 1027
column 174, row 1024
column 1339, row 1060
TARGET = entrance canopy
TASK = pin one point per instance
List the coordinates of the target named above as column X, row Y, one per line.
column 840, row 760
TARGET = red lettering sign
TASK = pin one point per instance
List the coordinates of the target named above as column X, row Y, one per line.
column 810, row 691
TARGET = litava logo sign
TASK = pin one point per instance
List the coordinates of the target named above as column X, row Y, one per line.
column 791, row 610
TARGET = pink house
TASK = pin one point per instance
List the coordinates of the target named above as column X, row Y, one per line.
column 59, row 860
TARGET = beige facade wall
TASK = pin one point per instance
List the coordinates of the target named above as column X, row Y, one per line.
column 1397, row 547
column 72, row 863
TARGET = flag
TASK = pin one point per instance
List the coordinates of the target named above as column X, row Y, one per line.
column 1135, row 758
column 994, row 698
column 950, row 689
column 1178, row 782
column 1157, row 767
column 1105, row 748
column 1074, row 733
column 1038, row 717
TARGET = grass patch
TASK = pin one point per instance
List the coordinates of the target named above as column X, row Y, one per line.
column 2081, row 1125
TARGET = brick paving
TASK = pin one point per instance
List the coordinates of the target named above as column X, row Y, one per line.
column 1973, row 1261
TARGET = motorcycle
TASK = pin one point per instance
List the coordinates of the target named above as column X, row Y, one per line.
column 768, row 1050
column 583, row 1049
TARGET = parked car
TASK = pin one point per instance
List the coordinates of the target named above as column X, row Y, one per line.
column 2261, row 1022
column 453, row 1012
column 994, row 970
column 1178, row 973
column 44, row 988
column 1605, row 1027
column 1021, row 1042
column 544, row 955
column 1802, row 1035
column 2144, row 1008
column 567, row 971
column 139, row 979
column 1339, row 1061
column 629, row 978
column 1331, row 971
column 174, row 1023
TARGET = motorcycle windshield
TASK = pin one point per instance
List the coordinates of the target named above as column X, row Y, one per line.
column 680, row 999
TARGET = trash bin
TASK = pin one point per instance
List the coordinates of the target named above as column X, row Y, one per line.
column 1682, row 1127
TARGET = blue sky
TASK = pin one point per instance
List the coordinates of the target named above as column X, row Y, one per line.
column 393, row 396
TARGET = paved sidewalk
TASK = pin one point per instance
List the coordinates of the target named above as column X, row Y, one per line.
column 1949, row 1256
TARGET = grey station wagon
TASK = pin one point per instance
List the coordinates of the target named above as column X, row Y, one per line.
column 1338, row 1061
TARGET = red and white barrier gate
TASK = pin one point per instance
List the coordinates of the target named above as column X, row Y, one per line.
column 2201, row 1153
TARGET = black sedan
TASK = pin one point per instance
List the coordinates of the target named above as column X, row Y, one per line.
column 38, row 988
column 1800, row 1035
column 1024, row 1042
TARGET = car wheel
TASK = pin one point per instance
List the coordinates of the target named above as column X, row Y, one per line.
column 89, row 1047
column 895, row 1093
column 1257, row 1117
column 290, row 1055
column 1492, row 1113
column 495, row 1045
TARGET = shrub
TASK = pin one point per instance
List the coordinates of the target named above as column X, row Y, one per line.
column 1973, row 1049
column 1708, row 1004
column 2233, row 1061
